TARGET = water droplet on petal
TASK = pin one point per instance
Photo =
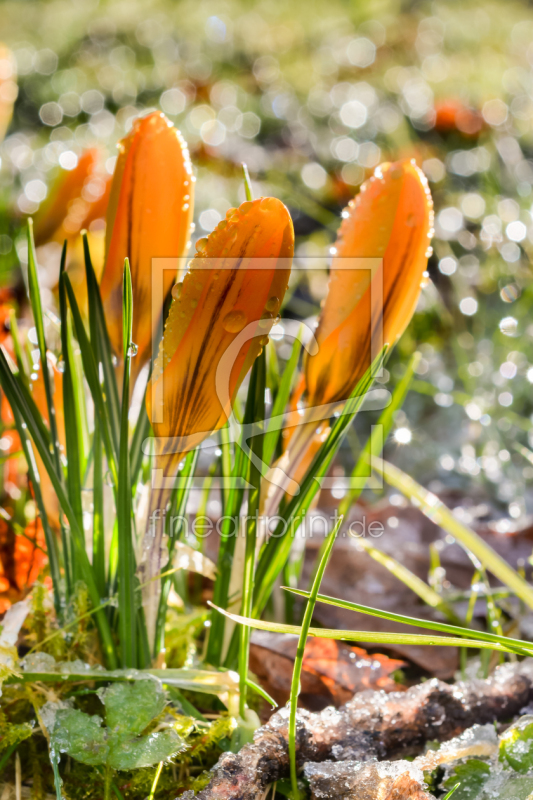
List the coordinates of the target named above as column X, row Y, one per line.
column 176, row 290
column 234, row 322
column 272, row 304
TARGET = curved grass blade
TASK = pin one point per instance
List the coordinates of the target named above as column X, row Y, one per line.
column 437, row 512
column 298, row 661
column 372, row 636
column 525, row 648
column 38, row 318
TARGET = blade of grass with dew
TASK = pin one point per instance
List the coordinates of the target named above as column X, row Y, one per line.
column 443, row 627
column 412, row 581
column 256, row 400
column 276, row 550
column 38, row 319
column 298, row 661
column 15, row 397
column 126, row 557
column 102, row 343
column 374, row 444
column 437, row 512
column 91, row 374
column 378, row 637
column 280, row 402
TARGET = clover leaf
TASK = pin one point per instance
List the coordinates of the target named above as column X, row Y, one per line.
column 130, row 708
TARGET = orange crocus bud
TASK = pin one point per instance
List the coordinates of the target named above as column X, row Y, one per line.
column 369, row 304
column 218, row 323
column 375, row 281
column 8, row 88
column 148, row 221
column 66, row 192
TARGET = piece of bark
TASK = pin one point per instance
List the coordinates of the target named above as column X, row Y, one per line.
column 373, row 725
column 332, row 672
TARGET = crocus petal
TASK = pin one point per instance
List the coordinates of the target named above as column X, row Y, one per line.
column 8, row 88
column 390, row 219
column 233, row 291
column 64, row 192
column 369, row 303
column 149, row 217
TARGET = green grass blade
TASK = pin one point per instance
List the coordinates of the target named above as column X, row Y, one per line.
column 142, row 430
column 280, row 403
column 256, row 401
column 225, row 462
column 99, row 566
column 442, row 627
column 126, row 557
column 15, row 398
column 247, row 183
column 438, row 513
column 178, row 507
column 298, row 661
column 17, row 347
column 255, row 687
column 90, row 369
column 73, row 444
column 374, row 637
column 276, row 551
column 225, row 557
column 374, row 444
column 38, row 318
column 412, row 581
column 101, row 342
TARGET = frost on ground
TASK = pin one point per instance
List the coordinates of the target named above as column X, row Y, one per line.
column 374, row 727
column 482, row 767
